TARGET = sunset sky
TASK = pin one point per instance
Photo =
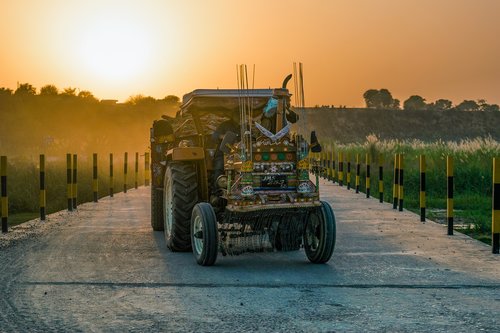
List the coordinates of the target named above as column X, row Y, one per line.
column 433, row 48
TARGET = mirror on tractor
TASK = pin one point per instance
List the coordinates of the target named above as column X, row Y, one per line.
column 315, row 146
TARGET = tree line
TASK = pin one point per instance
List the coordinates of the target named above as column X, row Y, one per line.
column 55, row 121
column 50, row 90
column 382, row 99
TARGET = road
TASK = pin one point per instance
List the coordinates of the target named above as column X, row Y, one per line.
column 102, row 268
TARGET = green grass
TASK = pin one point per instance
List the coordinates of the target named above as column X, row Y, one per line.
column 472, row 177
column 18, row 218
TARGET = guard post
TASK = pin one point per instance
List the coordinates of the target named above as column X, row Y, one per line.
column 69, row 190
column 401, row 181
column 341, row 169
column 147, row 171
column 125, row 167
column 395, row 186
column 94, row 176
column 422, row 188
column 75, row 182
column 136, row 175
column 449, row 199
column 348, row 171
column 43, row 200
column 367, row 175
column 358, row 171
column 381, row 177
column 4, row 197
column 495, row 219
column 333, row 163
column 111, row 189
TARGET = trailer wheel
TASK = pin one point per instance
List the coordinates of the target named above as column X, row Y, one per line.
column 180, row 195
column 320, row 234
column 204, row 234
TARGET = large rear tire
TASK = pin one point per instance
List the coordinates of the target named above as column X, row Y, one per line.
column 156, row 209
column 320, row 234
column 204, row 234
column 180, row 196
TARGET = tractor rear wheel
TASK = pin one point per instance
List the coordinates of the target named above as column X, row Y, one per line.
column 156, row 208
column 320, row 234
column 180, row 195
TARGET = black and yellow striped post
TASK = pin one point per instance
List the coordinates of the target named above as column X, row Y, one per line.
column 111, row 176
column 321, row 162
column 449, row 198
column 95, row 183
column 381, row 178
column 326, row 164
column 341, row 169
column 495, row 216
column 348, row 171
column 75, row 182
column 69, row 184
column 136, row 169
column 367, row 159
column 3, row 193
column 333, row 164
column 401, row 181
column 43, row 198
column 422, row 188
column 358, row 172
column 329, row 165
column 125, row 169
column 395, row 186
column 147, row 169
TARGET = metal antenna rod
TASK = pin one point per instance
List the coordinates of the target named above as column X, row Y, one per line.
column 238, row 76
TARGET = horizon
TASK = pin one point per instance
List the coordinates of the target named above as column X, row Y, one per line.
column 158, row 48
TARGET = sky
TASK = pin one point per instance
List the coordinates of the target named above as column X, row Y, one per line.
column 115, row 49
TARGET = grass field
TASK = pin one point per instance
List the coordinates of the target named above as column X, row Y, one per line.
column 472, row 177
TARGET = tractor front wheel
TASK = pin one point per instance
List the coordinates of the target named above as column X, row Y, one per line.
column 204, row 237
column 320, row 234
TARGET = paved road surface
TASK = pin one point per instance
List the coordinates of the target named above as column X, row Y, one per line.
column 102, row 268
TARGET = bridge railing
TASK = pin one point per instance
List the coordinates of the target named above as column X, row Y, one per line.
column 408, row 177
column 54, row 183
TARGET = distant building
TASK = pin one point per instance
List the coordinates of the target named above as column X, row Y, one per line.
column 109, row 101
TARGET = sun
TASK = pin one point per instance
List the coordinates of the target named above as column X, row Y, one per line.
column 114, row 50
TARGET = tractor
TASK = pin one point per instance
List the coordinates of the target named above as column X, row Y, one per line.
column 229, row 176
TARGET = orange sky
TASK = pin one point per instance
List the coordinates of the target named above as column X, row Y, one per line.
column 434, row 48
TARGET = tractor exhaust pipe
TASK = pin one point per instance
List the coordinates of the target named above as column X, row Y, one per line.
column 285, row 81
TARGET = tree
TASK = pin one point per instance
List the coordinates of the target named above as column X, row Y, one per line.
column 49, row 90
column 5, row 92
column 484, row 106
column 69, row 92
column 25, row 89
column 87, row 95
column 468, row 105
column 385, row 99
column 140, row 100
column 442, row 105
column 370, row 97
column 490, row 108
column 396, row 104
column 415, row 102
column 171, row 100
column 380, row 99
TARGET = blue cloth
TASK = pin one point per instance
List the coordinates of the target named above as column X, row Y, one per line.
column 271, row 107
